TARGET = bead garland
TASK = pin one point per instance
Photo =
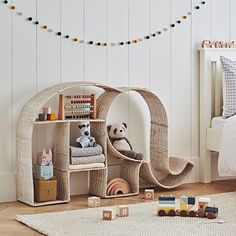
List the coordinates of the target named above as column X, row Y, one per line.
column 105, row 44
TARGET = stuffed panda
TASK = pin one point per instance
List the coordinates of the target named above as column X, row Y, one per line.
column 85, row 140
column 116, row 133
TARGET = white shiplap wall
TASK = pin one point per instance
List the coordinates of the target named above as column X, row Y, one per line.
column 33, row 59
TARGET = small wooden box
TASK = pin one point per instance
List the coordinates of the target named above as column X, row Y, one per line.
column 94, row 201
column 149, row 194
column 45, row 190
column 45, row 172
column 122, row 211
column 107, row 214
column 51, row 116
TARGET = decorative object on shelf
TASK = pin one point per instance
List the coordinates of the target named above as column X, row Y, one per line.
column 118, row 186
column 51, row 116
column 45, row 190
column 47, row 110
column 81, row 160
column 122, row 211
column 121, row 43
column 117, row 137
column 217, row 44
column 44, row 166
column 149, row 194
column 189, row 206
column 108, row 214
column 77, row 107
column 85, row 152
column 94, row 201
column 42, row 117
column 84, row 139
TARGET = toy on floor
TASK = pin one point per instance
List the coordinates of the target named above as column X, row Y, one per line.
column 122, row 211
column 149, row 194
column 189, row 206
column 44, row 166
column 94, row 201
column 117, row 137
column 85, row 140
column 108, row 214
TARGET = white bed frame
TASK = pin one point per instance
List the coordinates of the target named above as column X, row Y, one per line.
column 211, row 103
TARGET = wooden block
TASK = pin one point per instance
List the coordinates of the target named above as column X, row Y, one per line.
column 149, row 194
column 122, row 211
column 47, row 110
column 45, row 172
column 94, row 201
column 51, row 116
column 42, row 117
column 107, row 214
column 45, row 190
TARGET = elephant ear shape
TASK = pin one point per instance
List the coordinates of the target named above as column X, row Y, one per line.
column 175, row 169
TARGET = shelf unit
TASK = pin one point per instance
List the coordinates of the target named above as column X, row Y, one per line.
column 176, row 169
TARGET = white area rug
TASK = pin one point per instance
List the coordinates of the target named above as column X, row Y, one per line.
column 142, row 221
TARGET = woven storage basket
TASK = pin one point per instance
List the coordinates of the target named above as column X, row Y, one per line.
column 175, row 168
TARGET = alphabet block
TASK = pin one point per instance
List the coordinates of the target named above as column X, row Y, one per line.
column 122, row 211
column 47, row 110
column 149, row 194
column 108, row 214
column 94, row 201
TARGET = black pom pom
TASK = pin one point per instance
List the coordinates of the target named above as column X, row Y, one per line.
column 197, row 7
column 172, row 25
column 98, row 44
column 128, row 42
column 178, row 21
column 147, row 37
column 5, row 2
column 59, row 33
column 203, row 2
column 36, row 22
column 121, row 43
column 91, row 42
column 67, row 36
column 30, row 18
column 153, row 35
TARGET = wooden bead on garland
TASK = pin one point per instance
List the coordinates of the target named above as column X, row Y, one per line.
column 159, row 32
column 134, row 41
column 75, row 39
column 184, row 17
column 13, row 7
column 44, row 26
column 104, row 44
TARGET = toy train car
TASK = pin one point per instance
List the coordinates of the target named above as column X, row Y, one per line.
column 188, row 207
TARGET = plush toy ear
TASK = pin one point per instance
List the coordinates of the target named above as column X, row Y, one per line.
column 80, row 126
column 125, row 125
column 108, row 128
column 44, row 152
column 50, row 152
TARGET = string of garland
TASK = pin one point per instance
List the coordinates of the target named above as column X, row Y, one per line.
column 105, row 44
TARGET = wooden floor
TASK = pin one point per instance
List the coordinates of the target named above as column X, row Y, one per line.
column 9, row 226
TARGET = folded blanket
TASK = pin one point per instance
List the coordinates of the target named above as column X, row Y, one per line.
column 87, row 160
column 84, row 152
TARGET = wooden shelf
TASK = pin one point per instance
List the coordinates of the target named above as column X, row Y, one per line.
column 49, row 202
column 37, row 122
column 72, row 168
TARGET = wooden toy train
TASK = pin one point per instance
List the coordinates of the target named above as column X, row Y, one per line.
column 188, row 206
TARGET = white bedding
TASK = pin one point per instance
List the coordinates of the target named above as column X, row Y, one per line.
column 227, row 153
column 217, row 122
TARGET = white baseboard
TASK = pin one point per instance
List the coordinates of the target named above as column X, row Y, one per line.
column 194, row 175
column 8, row 187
